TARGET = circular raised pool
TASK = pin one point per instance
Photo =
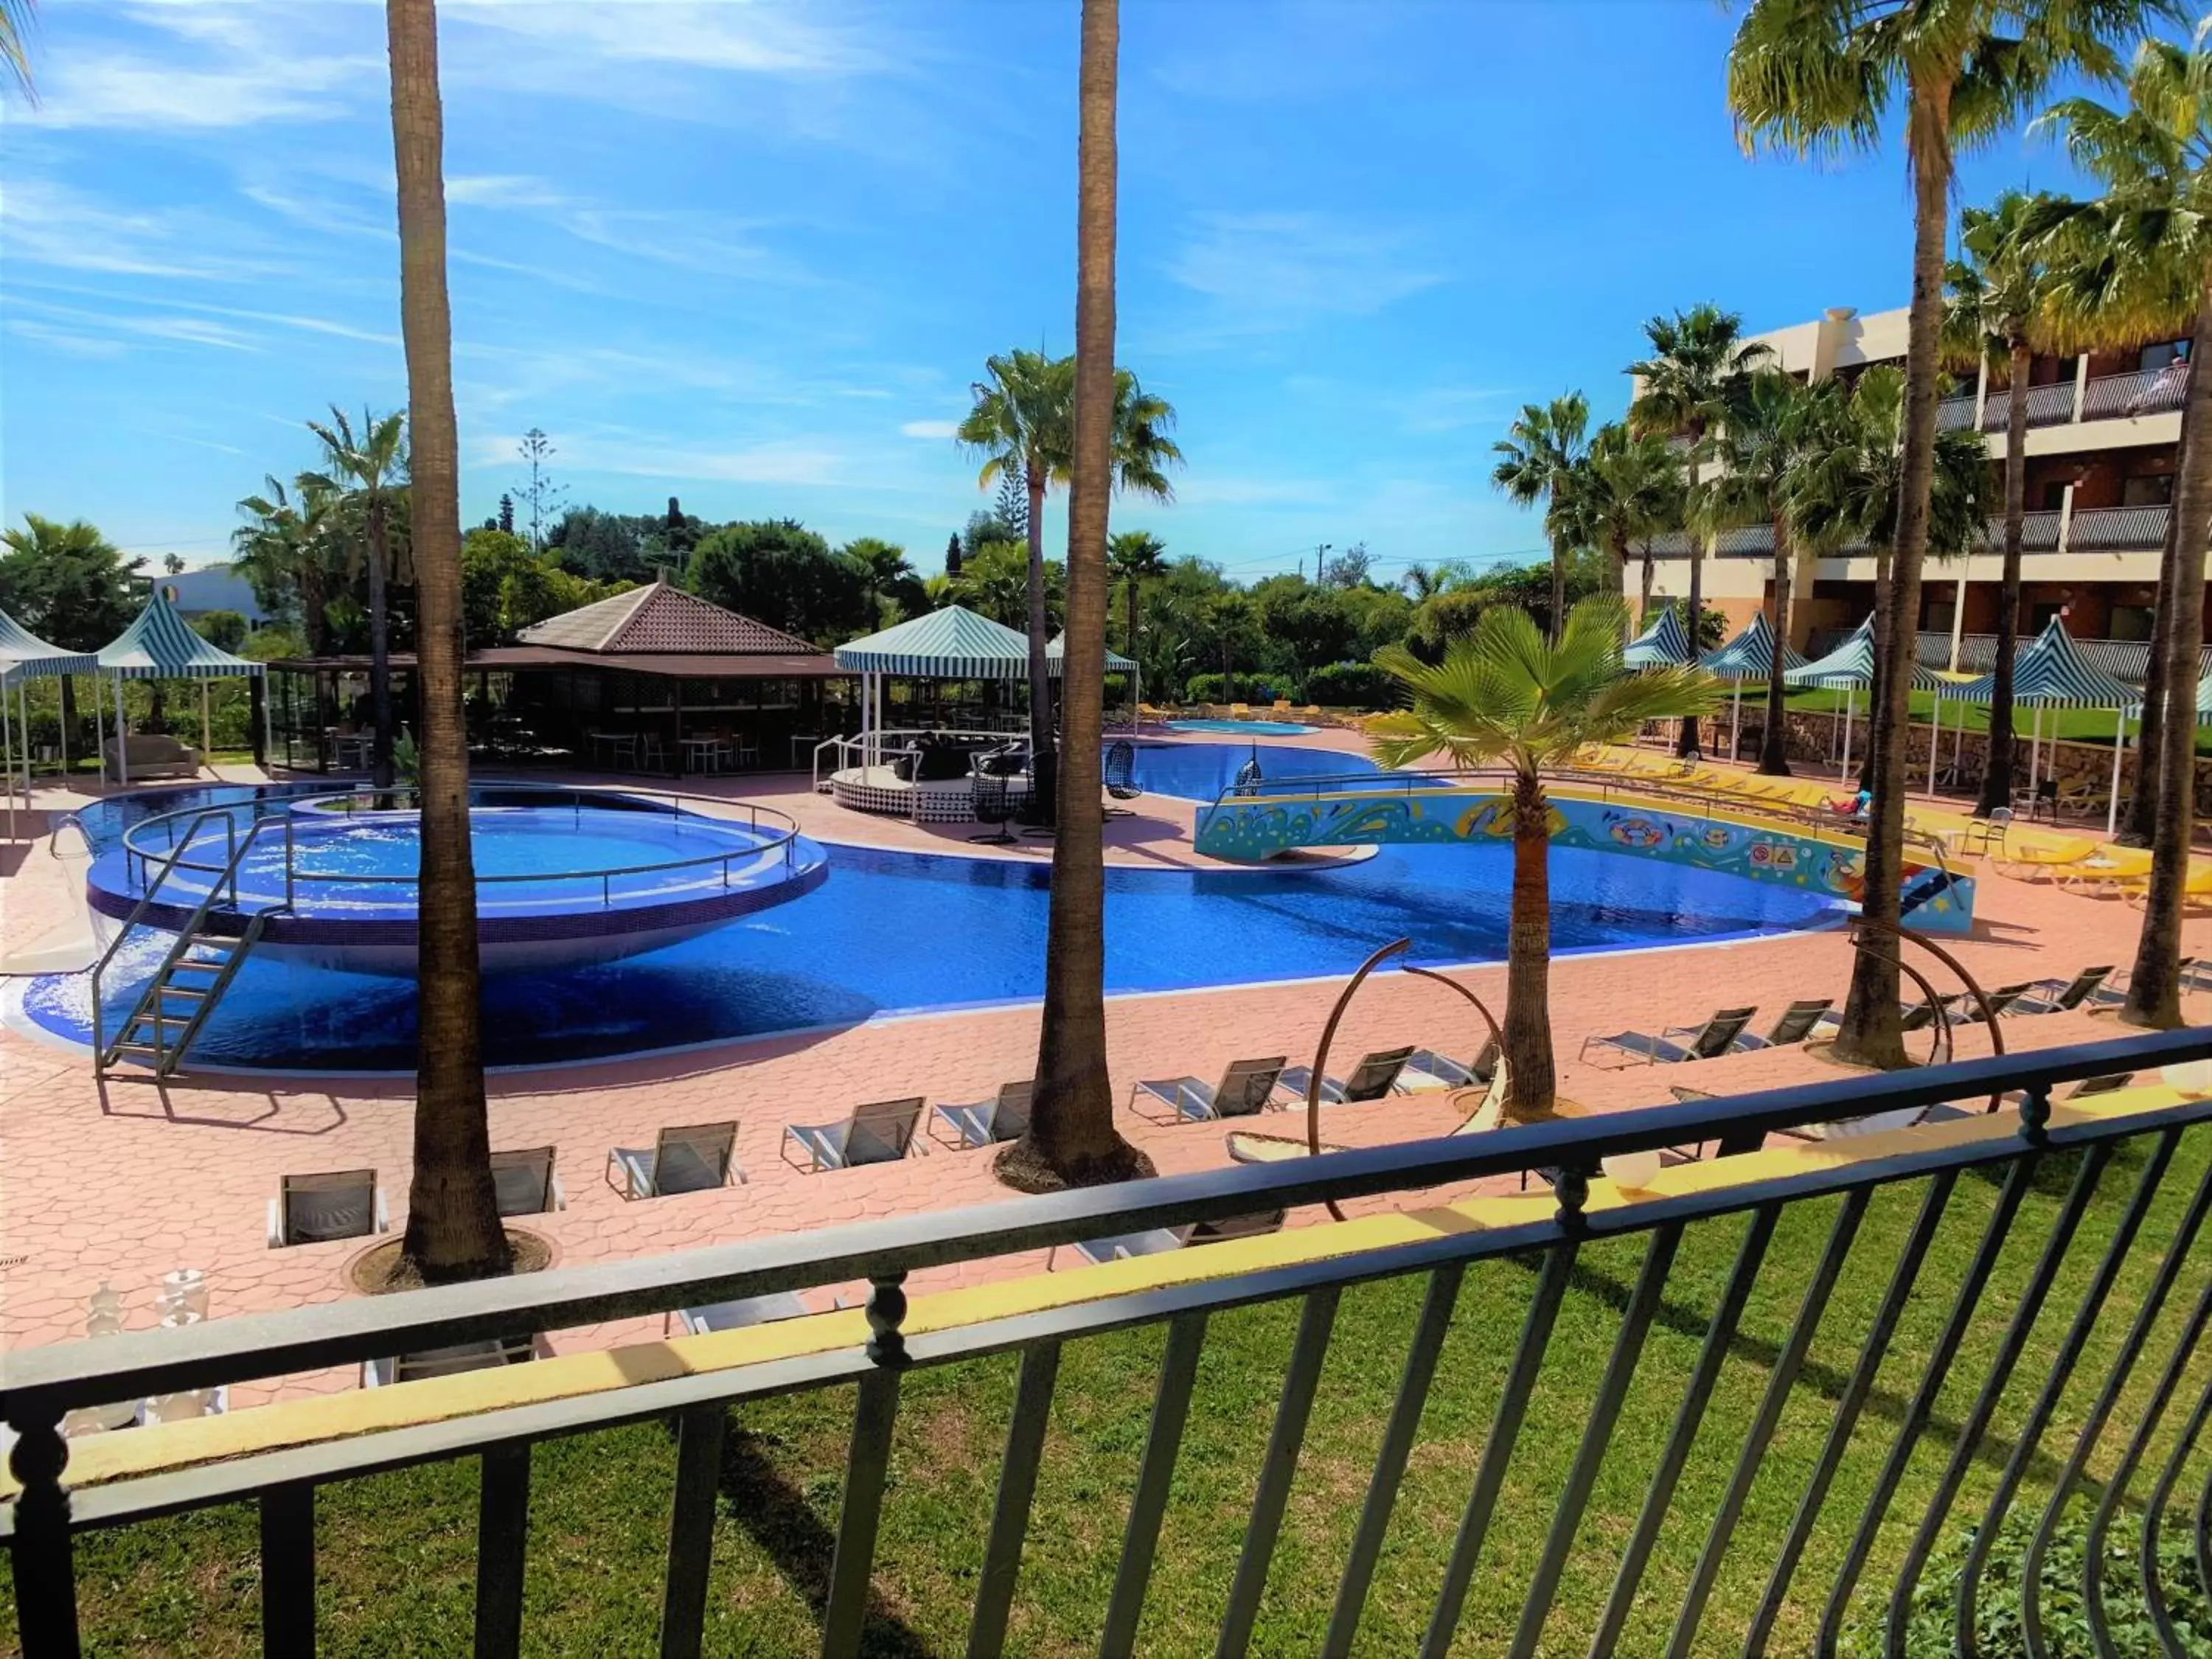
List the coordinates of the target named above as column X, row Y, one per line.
column 1203, row 771
column 901, row 933
column 562, row 877
column 1254, row 728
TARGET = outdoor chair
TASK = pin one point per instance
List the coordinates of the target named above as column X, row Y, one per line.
column 1159, row 1240
column 1005, row 1116
column 1677, row 1043
column 994, row 803
column 881, row 1132
column 738, row 1315
column 1796, row 1023
column 1120, row 776
column 1983, row 833
column 2059, row 996
column 1376, row 1076
column 448, row 1362
column 525, row 1182
column 1245, row 1088
column 1429, row 1069
column 694, row 1158
column 1960, row 1008
column 315, row 1209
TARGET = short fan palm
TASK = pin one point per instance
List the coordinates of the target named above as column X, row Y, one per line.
column 1503, row 696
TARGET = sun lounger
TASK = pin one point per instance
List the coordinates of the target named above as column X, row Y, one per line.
column 1796, row 1023
column 1960, row 1007
column 314, row 1209
column 486, row 1355
column 881, row 1132
column 693, row 1159
column 1005, row 1116
column 1247, row 1087
column 1428, row 1069
column 1376, row 1076
column 2039, row 863
column 2110, row 1082
column 2111, row 870
column 738, row 1315
column 2060, row 996
column 1733, row 1143
column 1159, row 1241
column 1676, row 1043
column 525, row 1182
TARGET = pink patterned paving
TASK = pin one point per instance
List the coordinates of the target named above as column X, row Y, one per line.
column 126, row 1180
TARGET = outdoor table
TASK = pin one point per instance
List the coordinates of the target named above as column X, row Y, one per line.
column 702, row 754
column 621, row 745
column 353, row 749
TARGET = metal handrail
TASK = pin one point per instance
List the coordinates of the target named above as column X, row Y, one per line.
column 138, row 912
column 859, row 739
column 784, row 841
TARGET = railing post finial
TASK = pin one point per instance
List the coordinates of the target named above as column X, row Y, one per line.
column 886, row 1311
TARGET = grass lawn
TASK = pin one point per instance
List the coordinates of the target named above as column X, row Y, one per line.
column 2074, row 725
column 395, row 1551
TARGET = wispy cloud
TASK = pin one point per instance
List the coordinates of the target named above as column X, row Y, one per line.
column 66, row 340
column 755, row 39
column 1272, row 272
column 939, row 430
column 504, row 190
column 227, row 65
column 52, row 225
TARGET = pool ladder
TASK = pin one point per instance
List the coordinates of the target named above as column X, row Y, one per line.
column 198, row 968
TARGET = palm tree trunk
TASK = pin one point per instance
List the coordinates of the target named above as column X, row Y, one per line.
column 1071, row 1140
column 380, row 648
column 1686, row 743
column 2140, row 827
column 2154, row 987
column 1870, row 1034
column 1129, row 645
column 1043, row 770
column 1559, row 588
column 1531, row 1078
column 1997, row 776
column 1774, row 747
column 315, row 607
column 1644, row 607
column 453, row 1230
column 1619, row 552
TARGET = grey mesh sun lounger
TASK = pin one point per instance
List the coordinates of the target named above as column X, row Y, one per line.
column 315, row 1209
column 1676, row 1043
column 1376, row 1076
column 1245, row 1088
column 525, row 1182
column 1159, row 1241
column 2059, row 996
column 881, row 1132
column 693, row 1159
column 1796, row 1023
column 1005, row 1116
column 1429, row 1068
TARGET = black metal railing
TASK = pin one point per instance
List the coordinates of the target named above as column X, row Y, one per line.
column 2035, row 1273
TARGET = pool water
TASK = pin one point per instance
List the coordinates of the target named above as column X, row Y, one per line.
column 1270, row 728
column 898, row 932
column 1201, row 771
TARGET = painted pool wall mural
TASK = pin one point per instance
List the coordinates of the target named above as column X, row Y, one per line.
column 1249, row 832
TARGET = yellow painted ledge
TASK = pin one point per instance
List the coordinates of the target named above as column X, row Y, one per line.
column 100, row 1458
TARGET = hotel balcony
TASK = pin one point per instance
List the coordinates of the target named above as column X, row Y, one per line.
column 2105, row 397
column 2089, row 530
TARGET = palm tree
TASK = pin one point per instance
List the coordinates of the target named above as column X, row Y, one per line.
column 1628, row 489
column 1699, row 361
column 1503, row 696
column 1426, row 581
column 1813, row 76
column 285, row 547
column 1996, row 317
column 1022, row 423
column 1071, row 1140
column 1537, row 460
column 884, row 574
column 373, row 464
column 1773, row 425
column 453, row 1229
column 1136, row 556
column 2154, row 159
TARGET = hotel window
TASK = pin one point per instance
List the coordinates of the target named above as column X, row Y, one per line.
column 2158, row 356
column 2147, row 489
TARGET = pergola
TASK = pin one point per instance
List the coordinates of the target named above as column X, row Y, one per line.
column 2052, row 673
column 162, row 646
column 1851, row 666
column 24, row 656
column 1748, row 656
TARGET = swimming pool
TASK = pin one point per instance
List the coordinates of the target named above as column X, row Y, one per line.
column 891, row 932
column 1201, row 771
column 1257, row 728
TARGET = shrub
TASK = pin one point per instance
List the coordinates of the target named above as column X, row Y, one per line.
column 1352, row 685
column 1247, row 688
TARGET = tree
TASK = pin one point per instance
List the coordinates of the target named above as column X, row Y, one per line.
column 1537, row 460
column 371, row 466
column 1137, row 556
column 541, row 496
column 784, row 574
column 70, row 585
column 953, row 556
column 1995, row 317
column 2154, row 159
column 889, row 587
column 1502, row 695
column 224, row 628
column 1627, row 488
column 1071, row 1140
column 173, row 564
column 1774, row 425
column 505, row 522
column 453, row 1230
column 1011, row 505
column 1426, row 581
column 1348, row 569
column 289, row 550
column 1699, row 361
column 1815, row 77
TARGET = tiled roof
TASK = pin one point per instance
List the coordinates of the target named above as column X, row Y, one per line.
column 657, row 619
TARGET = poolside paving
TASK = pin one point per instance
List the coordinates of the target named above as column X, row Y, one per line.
column 123, row 1179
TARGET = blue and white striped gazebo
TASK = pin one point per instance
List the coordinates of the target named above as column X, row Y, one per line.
column 25, row 657
column 1748, row 656
column 161, row 644
column 1851, row 666
column 1662, row 644
column 2052, row 673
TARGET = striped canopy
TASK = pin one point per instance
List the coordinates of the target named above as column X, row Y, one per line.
column 1851, row 664
column 1661, row 645
column 25, row 656
column 1750, row 654
column 2052, row 673
column 1115, row 662
column 162, row 646
column 951, row 644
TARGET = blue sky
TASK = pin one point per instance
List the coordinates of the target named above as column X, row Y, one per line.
column 753, row 254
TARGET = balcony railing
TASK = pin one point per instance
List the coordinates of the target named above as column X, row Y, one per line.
column 2034, row 1262
column 2106, row 397
column 2087, row 530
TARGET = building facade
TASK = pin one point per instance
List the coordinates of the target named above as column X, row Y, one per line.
column 2103, row 428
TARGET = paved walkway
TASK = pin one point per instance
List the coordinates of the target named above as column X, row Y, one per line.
column 124, row 1180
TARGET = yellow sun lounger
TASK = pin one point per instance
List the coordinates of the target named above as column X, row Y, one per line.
column 2109, row 871
column 2032, row 861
